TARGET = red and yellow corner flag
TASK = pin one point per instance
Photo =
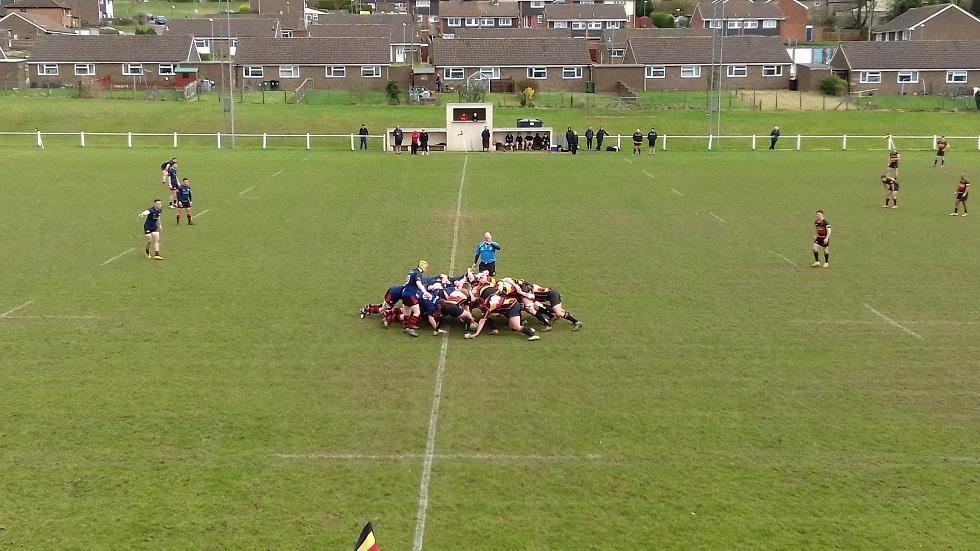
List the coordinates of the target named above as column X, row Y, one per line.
column 366, row 541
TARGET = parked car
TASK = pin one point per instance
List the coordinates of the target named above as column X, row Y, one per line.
column 160, row 20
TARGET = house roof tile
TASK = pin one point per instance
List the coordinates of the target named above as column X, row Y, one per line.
column 697, row 50
column 509, row 52
column 314, row 51
column 926, row 54
column 585, row 12
column 108, row 48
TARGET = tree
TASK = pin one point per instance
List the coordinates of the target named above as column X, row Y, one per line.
column 902, row 6
column 833, row 85
column 864, row 13
column 975, row 8
column 662, row 20
column 393, row 92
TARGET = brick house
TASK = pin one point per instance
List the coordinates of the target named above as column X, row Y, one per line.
column 60, row 60
column 909, row 67
column 939, row 22
column 613, row 43
column 290, row 13
column 353, row 63
column 477, row 15
column 90, row 12
column 211, row 36
column 587, row 20
column 555, row 64
column 404, row 40
column 49, row 11
column 25, row 29
column 685, row 63
column 11, row 71
column 535, row 32
column 739, row 17
column 425, row 12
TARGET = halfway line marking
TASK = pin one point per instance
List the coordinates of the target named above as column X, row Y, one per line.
column 895, row 323
column 244, row 191
column 15, row 308
column 677, row 192
column 118, row 256
column 458, row 456
column 718, row 218
column 791, row 263
column 202, row 213
column 430, row 443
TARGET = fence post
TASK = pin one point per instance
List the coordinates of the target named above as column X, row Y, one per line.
column 37, row 139
column 799, row 139
column 844, row 145
column 935, row 140
column 664, row 146
column 753, row 142
column 619, row 142
column 175, row 140
column 81, row 136
column 307, row 141
column 129, row 139
column 978, row 143
column 263, row 140
column 710, row 138
column 352, row 141
column 219, row 140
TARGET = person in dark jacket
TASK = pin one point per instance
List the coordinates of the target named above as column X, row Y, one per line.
column 423, row 142
column 589, row 134
column 363, row 132
column 652, row 140
column 486, row 138
column 637, row 142
column 599, row 136
column 774, row 136
column 574, row 145
column 569, row 136
column 399, row 136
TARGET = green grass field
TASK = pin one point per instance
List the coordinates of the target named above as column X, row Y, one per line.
column 721, row 395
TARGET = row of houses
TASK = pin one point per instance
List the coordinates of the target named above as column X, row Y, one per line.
column 648, row 62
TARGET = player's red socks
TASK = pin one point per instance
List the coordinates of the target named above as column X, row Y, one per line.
column 372, row 309
column 178, row 218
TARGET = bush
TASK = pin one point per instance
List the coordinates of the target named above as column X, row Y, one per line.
column 662, row 20
column 145, row 30
column 976, row 96
column 125, row 21
column 833, row 85
column 393, row 92
column 244, row 9
column 336, row 5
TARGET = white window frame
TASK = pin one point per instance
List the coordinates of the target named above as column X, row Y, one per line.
column 47, row 69
column 537, row 73
column 869, row 77
column 490, row 72
column 433, row 19
column 594, row 25
column 768, row 23
column 422, row 3
column 88, row 69
column 167, row 69
column 132, row 69
column 453, row 73
column 472, row 22
column 772, row 70
column 911, row 77
column 253, row 71
column 202, row 43
column 505, row 21
column 751, row 25
column 655, row 71
column 734, row 24
column 559, row 24
column 286, row 33
column 956, row 77
column 537, row 4
column 571, row 73
column 292, row 71
column 454, row 21
column 617, row 52
column 693, row 71
column 613, row 24
column 370, row 71
column 335, row 71
column 233, row 43
column 578, row 25
column 487, row 22
column 714, row 24
column 540, row 19
column 738, row 71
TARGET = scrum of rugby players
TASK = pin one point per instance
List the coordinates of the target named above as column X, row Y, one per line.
column 442, row 300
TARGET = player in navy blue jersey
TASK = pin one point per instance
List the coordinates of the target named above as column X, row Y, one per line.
column 173, row 184
column 165, row 176
column 411, row 291
column 184, row 200
column 151, row 228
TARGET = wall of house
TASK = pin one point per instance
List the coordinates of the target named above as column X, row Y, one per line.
column 607, row 76
column 109, row 73
column 530, row 16
column 352, row 82
column 86, row 10
column 12, row 74
column 793, row 28
column 949, row 25
column 930, row 82
column 554, row 82
column 809, row 76
column 21, row 29
column 753, row 81
column 56, row 15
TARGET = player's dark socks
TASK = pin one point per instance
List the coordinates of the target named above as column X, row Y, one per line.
column 895, row 202
column 541, row 317
column 527, row 331
column 147, row 251
column 826, row 259
column 570, row 317
column 816, row 256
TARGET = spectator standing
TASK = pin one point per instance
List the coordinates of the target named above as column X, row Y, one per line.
column 574, row 145
column 363, row 132
column 438, row 84
column 424, row 142
column 568, row 138
column 600, row 135
column 637, row 142
column 415, row 142
column 486, row 254
column 652, row 140
column 485, row 136
column 774, row 137
column 399, row 136
column 589, row 134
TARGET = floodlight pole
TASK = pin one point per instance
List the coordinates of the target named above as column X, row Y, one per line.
column 721, row 66
column 231, row 73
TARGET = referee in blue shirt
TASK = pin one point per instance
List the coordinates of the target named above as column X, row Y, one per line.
column 486, row 254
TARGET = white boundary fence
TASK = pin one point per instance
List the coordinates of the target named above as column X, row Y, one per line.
column 799, row 142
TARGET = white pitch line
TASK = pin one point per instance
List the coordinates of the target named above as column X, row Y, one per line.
column 628, row 161
column 430, row 443
column 118, row 256
column 677, row 192
column 652, row 177
column 14, row 309
column 277, row 173
column 202, row 213
column 790, row 262
column 718, row 218
column 450, row 456
column 909, row 322
column 246, row 190
column 52, row 317
column 895, row 323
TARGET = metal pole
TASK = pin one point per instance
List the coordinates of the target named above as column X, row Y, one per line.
column 175, row 140
column 231, row 75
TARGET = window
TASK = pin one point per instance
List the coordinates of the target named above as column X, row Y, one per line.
column 337, row 71
column 490, row 72
column 421, row 3
column 768, row 23
column 286, row 33
column 612, row 24
column 50, row 70
column 751, row 24
column 254, row 71
column 734, row 24
column 200, row 43
column 371, row 71
column 715, row 23
column 505, row 21
column 165, row 69
column 540, row 19
column 570, row 73
column 578, row 25
column 472, row 21
column 435, row 19
column 908, row 77
column 737, row 71
column 618, row 52
column 129, row 69
column 870, row 77
column 656, row 71
column 953, row 77
column 452, row 73
column 234, row 42
column 289, row 71
column 560, row 24
column 772, row 70
column 84, row 69
column 453, row 22
column 536, row 4
column 690, row 71
column 486, row 21
column 537, row 73
column 595, row 25
column 448, row 36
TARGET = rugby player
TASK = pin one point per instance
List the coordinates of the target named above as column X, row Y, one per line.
column 962, row 194
column 891, row 190
column 551, row 297
column 184, row 200
column 509, row 307
column 172, row 184
column 151, row 228
column 165, row 176
column 893, row 158
column 637, row 142
column 411, row 292
column 941, row 146
column 821, row 240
